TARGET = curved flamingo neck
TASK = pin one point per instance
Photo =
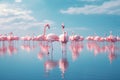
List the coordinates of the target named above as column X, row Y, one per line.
column 44, row 32
column 63, row 26
column 63, row 30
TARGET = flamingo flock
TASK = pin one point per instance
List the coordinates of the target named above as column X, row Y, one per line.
column 63, row 38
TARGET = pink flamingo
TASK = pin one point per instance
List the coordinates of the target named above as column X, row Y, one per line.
column 10, row 37
column 26, row 39
column 111, row 38
column 90, row 38
column 51, row 38
column 63, row 38
column 43, row 36
column 76, row 38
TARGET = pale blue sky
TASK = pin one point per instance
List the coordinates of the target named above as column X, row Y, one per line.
column 80, row 16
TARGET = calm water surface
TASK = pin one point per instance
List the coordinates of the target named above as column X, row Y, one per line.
column 71, row 61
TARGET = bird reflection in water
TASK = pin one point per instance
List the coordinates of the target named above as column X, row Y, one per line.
column 76, row 47
column 3, row 46
column 110, row 48
column 27, row 46
column 12, row 48
column 112, row 52
column 50, row 63
column 44, row 50
column 63, row 62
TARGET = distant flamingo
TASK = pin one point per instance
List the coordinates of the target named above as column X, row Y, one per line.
column 111, row 38
column 76, row 38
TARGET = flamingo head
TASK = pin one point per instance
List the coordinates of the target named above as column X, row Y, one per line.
column 47, row 25
column 63, row 26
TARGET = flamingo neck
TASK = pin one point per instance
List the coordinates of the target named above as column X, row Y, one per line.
column 63, row 30
column 44, row 32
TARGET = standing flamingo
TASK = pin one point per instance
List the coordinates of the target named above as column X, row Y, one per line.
column 51, row 38
column 76, row 38
column 63, row 38
column 43, row 36
column 111, row 38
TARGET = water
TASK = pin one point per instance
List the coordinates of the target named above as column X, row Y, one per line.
column 73, row 61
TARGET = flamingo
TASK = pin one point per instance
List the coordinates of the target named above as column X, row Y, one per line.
column 76, row 38
column 51, row 37
column 63, row 38
column 111, row 38
column 43, row 36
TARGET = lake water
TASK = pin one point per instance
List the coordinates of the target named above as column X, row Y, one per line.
column 71, row 61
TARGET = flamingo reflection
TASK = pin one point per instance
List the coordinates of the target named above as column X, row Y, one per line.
column 112, row 52
column 12, row 48
column 63, row 62
column 76, row 48
column 50, row 63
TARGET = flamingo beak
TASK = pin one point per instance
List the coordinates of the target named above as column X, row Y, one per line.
column 48, row 27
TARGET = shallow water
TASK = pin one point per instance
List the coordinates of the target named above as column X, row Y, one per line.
column 71, row 61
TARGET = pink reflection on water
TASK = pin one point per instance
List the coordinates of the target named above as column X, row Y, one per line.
column 109, row 47
column 8, row 47
column 76, row 47
column 63, row 65
column 50, row 63
column 63, row 62
column 41, row 55
column 3, row 48
column 44, row 47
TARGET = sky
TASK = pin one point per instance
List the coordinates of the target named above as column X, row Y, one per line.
column 83, row 17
